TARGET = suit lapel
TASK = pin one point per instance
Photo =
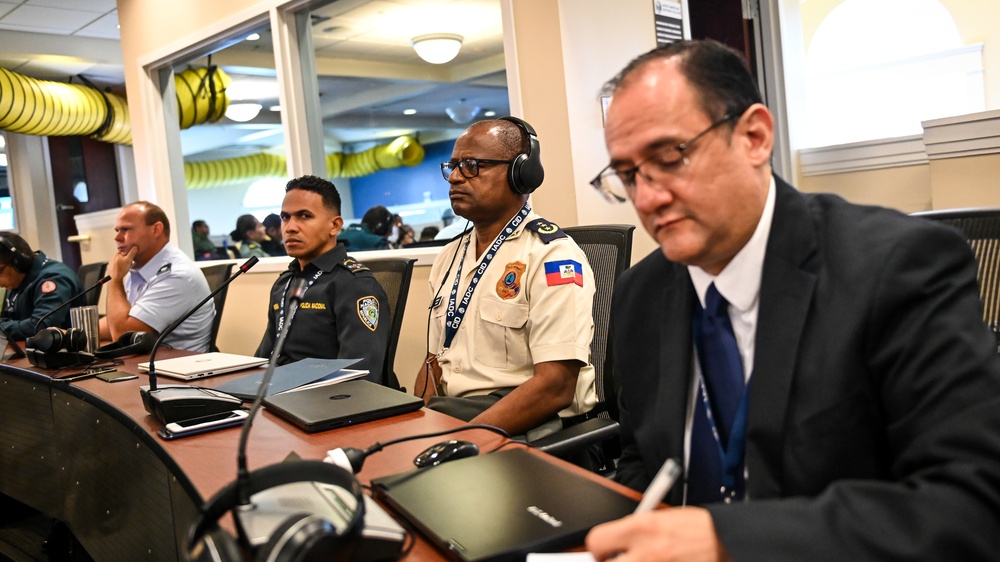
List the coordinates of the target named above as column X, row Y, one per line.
column 675, row 343
column 788, row 281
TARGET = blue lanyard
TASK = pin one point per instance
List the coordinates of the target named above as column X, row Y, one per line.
column 284, row 295
column 457, row 313
column 732, row 453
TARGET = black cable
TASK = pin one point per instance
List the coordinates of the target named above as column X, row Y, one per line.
column 356, row 457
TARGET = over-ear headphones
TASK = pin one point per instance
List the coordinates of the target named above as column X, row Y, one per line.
column 130, row 343
column 55, row 339
column 300, row 537
column 21, row 261
column 526, row 172
column 383, row 220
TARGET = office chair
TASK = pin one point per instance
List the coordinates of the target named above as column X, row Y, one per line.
column 216, row 275
column 609, row 250
column 394, row 275
column 981, row 227
column 89, row 274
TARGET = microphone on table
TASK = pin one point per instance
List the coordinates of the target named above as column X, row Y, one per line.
column 180, row 402
column 103, row 280
column 43, row 352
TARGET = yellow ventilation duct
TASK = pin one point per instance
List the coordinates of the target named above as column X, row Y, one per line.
column 404, row 151
column 40, row 107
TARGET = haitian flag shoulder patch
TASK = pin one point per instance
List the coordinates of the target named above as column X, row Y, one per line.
column 563, row 272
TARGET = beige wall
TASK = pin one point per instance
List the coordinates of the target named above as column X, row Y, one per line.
column 907, row 189
column 973, row 181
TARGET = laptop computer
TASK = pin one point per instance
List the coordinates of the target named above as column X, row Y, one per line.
column 320, row 408
column 7, row 343
column 287, row 377
column 192, row 367
column 501, row 506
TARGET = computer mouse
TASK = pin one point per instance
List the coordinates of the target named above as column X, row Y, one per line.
column 446, row 451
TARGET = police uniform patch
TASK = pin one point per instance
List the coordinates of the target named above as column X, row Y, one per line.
column 368, row 311
column 275, row 306
column 354, row 265
column 509, row 284
column 48, row 286
column 547, row 231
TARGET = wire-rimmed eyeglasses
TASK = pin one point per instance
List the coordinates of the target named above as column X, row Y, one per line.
column 618, row 185
column 468, row 167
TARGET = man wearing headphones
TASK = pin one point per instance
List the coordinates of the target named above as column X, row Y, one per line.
column 344, row 312
column 153, row 283
column 372, row 233
column 35, row 285
column 511, row 317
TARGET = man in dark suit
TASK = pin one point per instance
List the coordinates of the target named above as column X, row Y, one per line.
column 866, row 420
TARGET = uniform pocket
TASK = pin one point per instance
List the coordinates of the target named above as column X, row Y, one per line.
column 501, row 337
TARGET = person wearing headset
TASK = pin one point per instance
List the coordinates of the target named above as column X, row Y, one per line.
column 272, row 244
column 344, row 312
column 511, row 318
column 372, row 233
column 35, row 285
column 153, row 283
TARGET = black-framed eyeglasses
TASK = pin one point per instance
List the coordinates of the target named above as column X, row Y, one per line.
column 618, row 185
column 468, row 167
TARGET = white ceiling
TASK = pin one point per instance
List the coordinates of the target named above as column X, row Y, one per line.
column 367, row 71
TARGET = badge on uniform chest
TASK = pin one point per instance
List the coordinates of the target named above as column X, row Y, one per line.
column 509, row 284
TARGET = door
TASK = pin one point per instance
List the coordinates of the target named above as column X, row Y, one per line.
column 84, row 180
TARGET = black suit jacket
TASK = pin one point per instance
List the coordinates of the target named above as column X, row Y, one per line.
column 874, row 421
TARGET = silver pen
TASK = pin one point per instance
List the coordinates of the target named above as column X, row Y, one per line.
column 658, row 488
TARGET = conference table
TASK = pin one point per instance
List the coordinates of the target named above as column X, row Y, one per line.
column 87, row 453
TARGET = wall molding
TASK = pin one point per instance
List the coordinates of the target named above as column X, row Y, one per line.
column 966, row 135
column 866, row 155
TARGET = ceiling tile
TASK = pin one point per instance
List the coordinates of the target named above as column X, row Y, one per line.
column 104, row 28
column 54, row 20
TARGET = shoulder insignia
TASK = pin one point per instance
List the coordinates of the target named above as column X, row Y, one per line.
column 164, row 269
column 547, row 231
column 48, row 286
column 353, row 265
column 563, row 272
column 368, row 311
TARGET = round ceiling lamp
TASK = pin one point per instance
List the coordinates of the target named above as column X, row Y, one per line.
column 437, row 48
column 242, row 112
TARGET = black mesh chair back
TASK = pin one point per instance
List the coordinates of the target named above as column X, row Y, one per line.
column 609, row 250
column 981, row 228
column 89, row 274
column 394, row 275
column 216, row 275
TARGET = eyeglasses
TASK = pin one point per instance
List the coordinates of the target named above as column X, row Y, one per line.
column 618, row 185
column 469, row 167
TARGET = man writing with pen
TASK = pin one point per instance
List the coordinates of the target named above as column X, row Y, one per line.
column 820, row 369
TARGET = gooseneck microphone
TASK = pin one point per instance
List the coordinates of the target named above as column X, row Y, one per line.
column 296, row 290
column 180, row 402
column 103, row 280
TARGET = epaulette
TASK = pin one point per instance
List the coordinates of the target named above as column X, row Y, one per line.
column 547, row 231
column 353, row 265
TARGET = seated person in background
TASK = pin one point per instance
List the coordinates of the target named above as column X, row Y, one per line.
column 371, row 233
column 153, row 283
column 272, row 244
column 520, row 301
column 344, row 313
column 204, row 248
column 249, row 234
column 840, row 400
column 35, row 286
column 428, row 233
column 406, row 236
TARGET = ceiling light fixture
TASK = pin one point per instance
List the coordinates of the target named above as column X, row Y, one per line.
column 462, row 112
column 242, row 112
column 437, row 48
column 409, row 111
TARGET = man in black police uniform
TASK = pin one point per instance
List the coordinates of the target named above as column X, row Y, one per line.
column 35, row 285
column 344, row 312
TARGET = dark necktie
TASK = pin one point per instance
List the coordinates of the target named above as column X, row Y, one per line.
column 722, row 377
